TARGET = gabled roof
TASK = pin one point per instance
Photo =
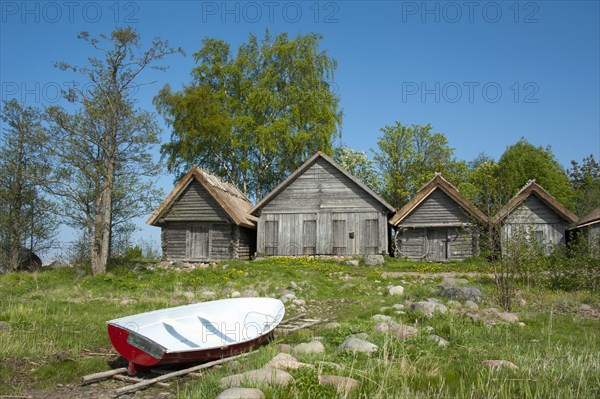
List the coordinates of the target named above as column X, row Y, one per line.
column 532, row 188
column 438, row 182
column 303, row 168
column 591, row 218
column 233, row 201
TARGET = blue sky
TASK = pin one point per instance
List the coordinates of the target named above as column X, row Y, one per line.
column 485, row 73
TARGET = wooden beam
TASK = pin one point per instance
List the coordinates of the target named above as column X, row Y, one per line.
column 146, row 383
column 127, row 378
column 86, row 379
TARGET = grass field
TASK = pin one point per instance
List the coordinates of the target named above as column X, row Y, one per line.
column 56, row 330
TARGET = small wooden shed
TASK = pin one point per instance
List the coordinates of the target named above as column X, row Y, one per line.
column 536, row 213
column 205, row 219
column 589, row 226
column 321, row 209
column 437, row 224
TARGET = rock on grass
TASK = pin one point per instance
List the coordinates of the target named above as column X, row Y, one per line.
column 341, row 384
column 241, row 393
column 498, row 364
column 309, row 347
column 261, row 376
column 358, row 345
column 283, row 361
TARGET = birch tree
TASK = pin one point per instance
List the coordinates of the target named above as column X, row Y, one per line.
column 254, row 116
column 103, row 148
column 26, row 215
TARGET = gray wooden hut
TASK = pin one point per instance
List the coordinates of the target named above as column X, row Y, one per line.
column 589, row 226
column 537, row 214
column 205, row 219
column 321, row 209
column 437, row 224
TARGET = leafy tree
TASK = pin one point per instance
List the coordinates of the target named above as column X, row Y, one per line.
column 103, row 148
column 408, row 157
column 358, row 164
column 26, row 215
column 253, row 117
column 522, row 162
column 585, row 180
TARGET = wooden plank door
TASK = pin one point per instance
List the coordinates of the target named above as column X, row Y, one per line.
column 271, row 237
column 309, row 236
column 339, row 237
column 197, row 245
column 370, row 236
column 438, row 244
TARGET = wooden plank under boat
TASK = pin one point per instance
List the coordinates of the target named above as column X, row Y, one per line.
column 194, row 333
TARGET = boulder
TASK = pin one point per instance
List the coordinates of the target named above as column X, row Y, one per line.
column 4, row 325
column 265, row 375
column 381, row 327
column 249, row 294
column 353, row 262
column 283, row 361
column 241, row 393
column 429, row 308
column 439, row 340
column 341, row 384
column 498, row 364
column 373, row 260
column 309, row 348
column 396, row 290
column 357, row 345
column 381, row 317
column 470, row 305
column 28, row 261
column 332, row 325
column 403, row 332
column 508, row 317
column 453, row 304
column 462, row 293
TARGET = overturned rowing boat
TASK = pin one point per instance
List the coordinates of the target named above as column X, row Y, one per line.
column 194, row 333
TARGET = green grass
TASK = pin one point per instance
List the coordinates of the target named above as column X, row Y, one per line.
column 57, row 330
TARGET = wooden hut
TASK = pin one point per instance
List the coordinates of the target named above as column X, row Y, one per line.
column 535, row 213
column 205, row 219
column 437, row 224
column 321, row 209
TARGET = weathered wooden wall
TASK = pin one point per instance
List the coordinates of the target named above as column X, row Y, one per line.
column 436, row 210
column 222, row 242
column 534, row 216
column 437, row 229
column 316, row 214
column 196, row 204
column 418, row 243
column 197, row 229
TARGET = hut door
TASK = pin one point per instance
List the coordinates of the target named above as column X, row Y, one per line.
column 309, row 236
column 271, row 237
column 339, row 237
column 370, row 236
column 438, row 244
column 197, row 242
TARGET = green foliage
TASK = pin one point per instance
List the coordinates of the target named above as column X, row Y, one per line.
column 103, row 148
column 27, row 216
column 522, row 162
column 408, row 157
column 358, row 164
column 252, row 118
column 585, row 180
column 576, row 265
